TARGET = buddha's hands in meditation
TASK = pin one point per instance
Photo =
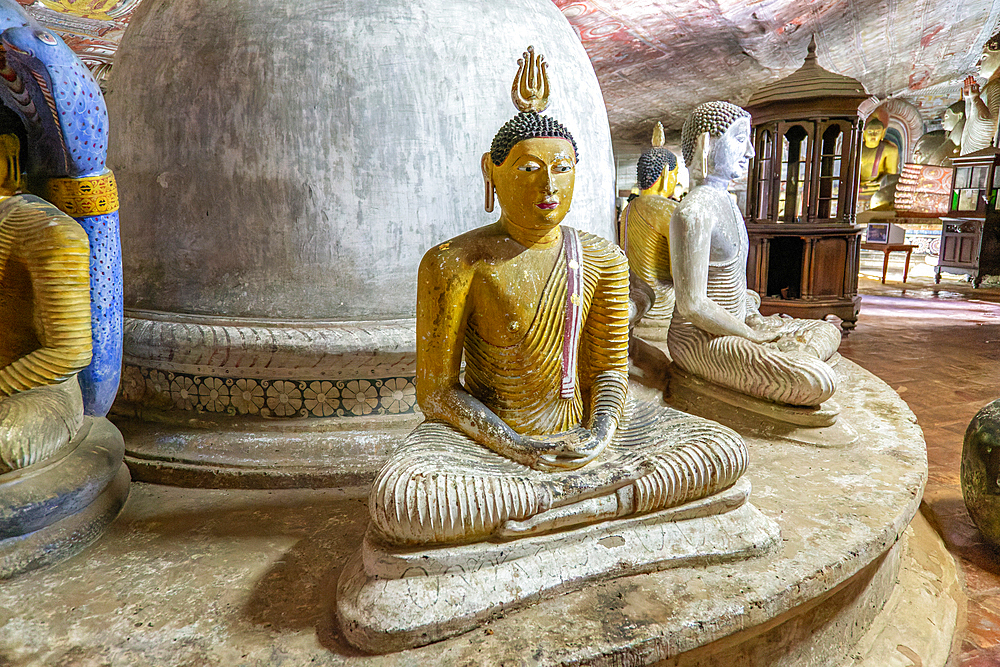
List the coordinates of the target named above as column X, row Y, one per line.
column 567, row 450
column 765, row 329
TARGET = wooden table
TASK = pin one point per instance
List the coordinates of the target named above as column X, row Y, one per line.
column 887, row 248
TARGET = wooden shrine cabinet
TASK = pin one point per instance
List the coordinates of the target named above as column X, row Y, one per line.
column 802, row 194
column 970, row 233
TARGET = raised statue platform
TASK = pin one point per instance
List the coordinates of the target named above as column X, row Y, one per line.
column 203, row 576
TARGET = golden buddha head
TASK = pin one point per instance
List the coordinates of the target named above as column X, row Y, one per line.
column 531, row 165
column 657, row 168
column 716, row 141
column 874, row 132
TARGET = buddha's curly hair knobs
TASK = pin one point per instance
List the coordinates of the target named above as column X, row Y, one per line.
column 993, row 44
column 527, row 125
column 712, row 117
column 650, row 166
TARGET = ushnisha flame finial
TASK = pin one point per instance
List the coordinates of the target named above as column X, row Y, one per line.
column 530, row 90
column 658, row 138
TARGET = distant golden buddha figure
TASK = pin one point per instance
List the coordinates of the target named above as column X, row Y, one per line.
column 45, row 337
column 644, row 229
column 879, row 168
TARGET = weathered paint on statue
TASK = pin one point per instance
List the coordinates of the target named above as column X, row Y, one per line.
column 44, row 321
column 982, row 107
column 879, row 168
column 541, row 445
column 644, row 229
column 717, row 332
column 63, row 109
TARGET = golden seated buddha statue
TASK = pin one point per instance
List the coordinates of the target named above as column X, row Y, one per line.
column 540, row 444
column 542, row 421
column 44, row 320
column 879, row 168
column 644, row 232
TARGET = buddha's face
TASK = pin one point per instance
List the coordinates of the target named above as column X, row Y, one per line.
column 989, row 62
column 534, row 185
column 730, row 154
column 874, row 134
column 665, row 184
column 951, row 119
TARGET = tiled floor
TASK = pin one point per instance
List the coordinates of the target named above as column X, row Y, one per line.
column 939, row 347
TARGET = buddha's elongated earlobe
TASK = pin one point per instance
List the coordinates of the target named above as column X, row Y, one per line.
column 703, row 144
column 488, row 182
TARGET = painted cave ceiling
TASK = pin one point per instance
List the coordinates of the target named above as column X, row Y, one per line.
column 656, row 60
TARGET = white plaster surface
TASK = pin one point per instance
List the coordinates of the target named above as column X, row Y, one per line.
column 295, row 160
column 204, row 577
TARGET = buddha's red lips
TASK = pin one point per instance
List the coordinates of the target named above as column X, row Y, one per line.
column 547, row 206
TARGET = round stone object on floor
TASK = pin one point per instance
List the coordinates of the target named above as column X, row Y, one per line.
column 981, row 471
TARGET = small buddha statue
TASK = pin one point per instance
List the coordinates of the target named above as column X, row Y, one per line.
column 644, row 229
column 540, row 433
column 45, row 337
column 716, row 332
column 938, row 147
column 879, row 167
column 982, row 106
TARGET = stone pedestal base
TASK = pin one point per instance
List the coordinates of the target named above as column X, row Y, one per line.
column 54, row 509
column 808, row 425
column 249, row 577
column 390, row 599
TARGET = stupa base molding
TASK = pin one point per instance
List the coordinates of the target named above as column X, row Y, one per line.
column 223, row 453
column 56, row 508
column 385, row 605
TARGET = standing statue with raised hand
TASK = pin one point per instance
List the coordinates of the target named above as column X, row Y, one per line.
column 644, row 232
column 541, row 434
column 717, row 332
column 982, row 107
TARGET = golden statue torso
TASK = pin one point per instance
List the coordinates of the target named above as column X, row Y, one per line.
column 45, row 336
column 515, row 324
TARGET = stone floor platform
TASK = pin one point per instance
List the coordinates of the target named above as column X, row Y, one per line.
column 217, row 577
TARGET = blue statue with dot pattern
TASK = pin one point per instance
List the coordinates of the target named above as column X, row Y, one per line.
column 63, row 111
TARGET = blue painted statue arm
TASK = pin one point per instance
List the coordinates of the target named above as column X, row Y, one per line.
column 55, row 250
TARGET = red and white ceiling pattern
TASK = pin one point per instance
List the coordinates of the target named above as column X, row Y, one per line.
column 657, row 59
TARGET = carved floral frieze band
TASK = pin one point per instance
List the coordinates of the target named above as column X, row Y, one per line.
column 281, row 399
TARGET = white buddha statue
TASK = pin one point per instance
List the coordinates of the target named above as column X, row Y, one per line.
column 717, row 332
